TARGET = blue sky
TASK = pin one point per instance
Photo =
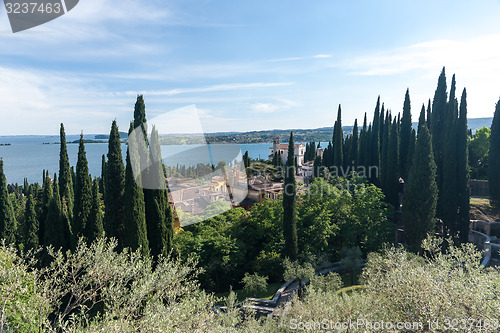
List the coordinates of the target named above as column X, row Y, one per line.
column 246, row 65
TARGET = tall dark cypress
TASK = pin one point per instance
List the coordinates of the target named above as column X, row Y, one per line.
column 420, row 196
column 494, row 158
column 411, row 149
column 135, row 233
column 65, row 174
column 56, row 228
column 448, row 198
column 289, row 208
column 375, row 143
column 140, row 116
column 114, row 188
column 381, row 132
column 7, row 219
column 463, row 171
column 44, row 203
column 94, row 228
column 429, row 115
column 338, row 141
column 354, row 144
column 405, row 136
column 102, row 180
column 421, row 118
column 159, row 222
column 384, row 161
column 362, row 144
column 392, row 180
column 83, row 194
column 438, row 121
column 30, row 225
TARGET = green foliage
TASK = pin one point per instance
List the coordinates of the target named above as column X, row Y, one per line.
column 338, row 141
column 83, row 194
column 463, row 190
column 301, row 271
column 448, row 198
column 392, row 167
column 22, row 310
column 494, row 158
column 159, row 221
column 437, row 128
column 420, row 197
column 114, row 188
column 30, row 235
column 57, row 229
column 374, row 143
column 94, row 226
column 354, row 151
column 66, row 190
column 351, row 261
column 289, row 207
column 405, row 135
column 8, row 223
column 43, row 206
column 479, row 147
column 135, row 231
column 254, row 283
column 325, row 283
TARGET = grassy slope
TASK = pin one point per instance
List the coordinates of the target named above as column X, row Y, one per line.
column 480, row 209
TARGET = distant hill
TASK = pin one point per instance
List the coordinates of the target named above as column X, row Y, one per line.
column 123, row 135
column 476, row 123
column 322, row 134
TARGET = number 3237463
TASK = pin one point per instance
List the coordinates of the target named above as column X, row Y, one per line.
column 33, row 8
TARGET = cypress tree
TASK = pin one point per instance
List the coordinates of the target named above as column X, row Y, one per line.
column 384, row 162
column 448, row 198
column 7, row 219
column 382, row 129
column 102, row 181
column 494, row 158
column 338, row 141
column 420, row 196
column 159, row 222
column 405, row 135
column 140, row 116
column 368, row 148
column 393, row 166
column 114, row 188
column 94, row 228
column 362, row 145
column 56, row 231
column 30, row 225
column 411, row 149
column 289, row 208
column 354, row 144
column 421, row 118
column 83, row 194
column 438, row 121
column 65, row 174
column 463, row 171
column 135, row 234
column 312, row 154
column 47, row 194
column 375, row 143
column 429, row 115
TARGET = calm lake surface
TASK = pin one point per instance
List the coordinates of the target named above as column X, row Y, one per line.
column 27, row 156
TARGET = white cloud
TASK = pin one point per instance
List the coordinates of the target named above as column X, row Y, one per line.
column 214, row 88
column 264, row 107
column 475, row 61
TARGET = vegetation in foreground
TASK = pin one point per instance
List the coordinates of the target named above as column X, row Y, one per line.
column 97, row 289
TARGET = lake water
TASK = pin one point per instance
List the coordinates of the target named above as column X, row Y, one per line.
column 27, row 156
